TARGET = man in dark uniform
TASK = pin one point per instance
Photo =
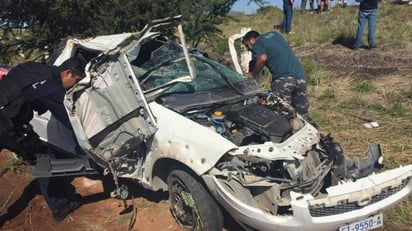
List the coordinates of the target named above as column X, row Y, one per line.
column 288, row 77
column 39, row 87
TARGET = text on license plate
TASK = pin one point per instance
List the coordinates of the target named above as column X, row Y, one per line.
column 366, row 224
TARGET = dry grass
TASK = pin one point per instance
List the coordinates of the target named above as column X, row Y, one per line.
column 345, row 123
column 394, row 24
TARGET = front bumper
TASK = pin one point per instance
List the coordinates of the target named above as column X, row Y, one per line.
column 346, row 203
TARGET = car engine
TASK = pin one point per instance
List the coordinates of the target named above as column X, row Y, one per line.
column 260, row 181
column 253, row 121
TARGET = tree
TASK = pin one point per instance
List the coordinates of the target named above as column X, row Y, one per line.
column 201, row 18
column 51, row 20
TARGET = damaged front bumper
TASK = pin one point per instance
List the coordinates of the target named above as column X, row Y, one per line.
column 345, row 203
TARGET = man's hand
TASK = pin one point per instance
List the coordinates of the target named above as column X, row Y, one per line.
column 260, row 63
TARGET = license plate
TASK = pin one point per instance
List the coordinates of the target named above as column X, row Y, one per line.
column 363, row 225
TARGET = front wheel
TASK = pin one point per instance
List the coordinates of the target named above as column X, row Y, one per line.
column 190, row 203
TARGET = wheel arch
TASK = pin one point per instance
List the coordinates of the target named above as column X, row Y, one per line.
column 163, row 167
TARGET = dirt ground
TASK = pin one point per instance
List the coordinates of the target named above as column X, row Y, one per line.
column 23, row 208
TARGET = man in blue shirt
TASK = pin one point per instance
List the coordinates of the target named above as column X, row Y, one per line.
column 288, row 77
column 39, row 87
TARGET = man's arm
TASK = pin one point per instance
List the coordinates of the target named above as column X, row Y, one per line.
column 48, row 95
column 259, row 64
column 54, row 102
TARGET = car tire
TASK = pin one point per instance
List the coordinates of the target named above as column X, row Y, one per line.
column 191, row 204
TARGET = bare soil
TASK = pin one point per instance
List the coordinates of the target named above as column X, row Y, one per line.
column 341, row 61
column 23, row 208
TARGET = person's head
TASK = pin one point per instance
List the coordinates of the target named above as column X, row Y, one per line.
column 249, row 39
column 72, row 71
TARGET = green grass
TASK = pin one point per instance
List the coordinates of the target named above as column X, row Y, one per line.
column 339, row 111
column 315, row 74
column 327, row 94
column 10, row 165
column 363, row 87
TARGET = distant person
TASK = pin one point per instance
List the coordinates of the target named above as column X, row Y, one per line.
column 311, row 5
column 324, row 5
column 368, row 10
column 343, row 3
column 39, row 87
column 288, row 77
column 288, row 8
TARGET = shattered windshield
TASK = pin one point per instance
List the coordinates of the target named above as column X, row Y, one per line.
column 166, row 62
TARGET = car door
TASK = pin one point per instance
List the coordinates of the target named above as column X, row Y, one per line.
column 240, row 56
column 108, row 109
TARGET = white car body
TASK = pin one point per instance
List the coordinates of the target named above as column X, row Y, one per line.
column 159, row 138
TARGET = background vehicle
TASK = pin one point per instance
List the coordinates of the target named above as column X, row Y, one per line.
column 172, row 119
column 4, row 69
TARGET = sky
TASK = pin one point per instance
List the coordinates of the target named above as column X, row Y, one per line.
column 241, row 5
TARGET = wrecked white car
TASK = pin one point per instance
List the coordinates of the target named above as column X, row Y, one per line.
column 174, row 120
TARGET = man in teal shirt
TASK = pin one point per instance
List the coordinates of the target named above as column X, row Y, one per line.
column 288, row 77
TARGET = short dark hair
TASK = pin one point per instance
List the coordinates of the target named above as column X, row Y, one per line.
column 249, row 35
column 75, row 64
